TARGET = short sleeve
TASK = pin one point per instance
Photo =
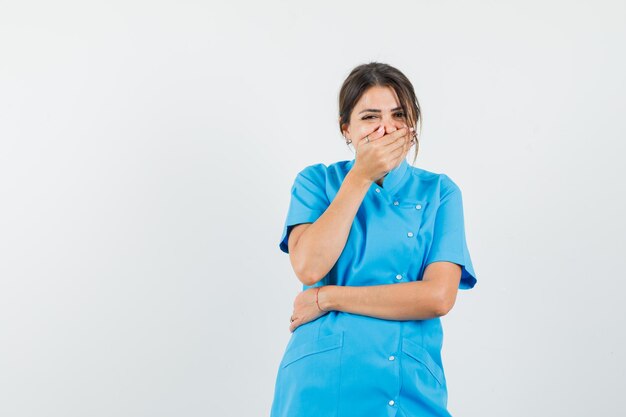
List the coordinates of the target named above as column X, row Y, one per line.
column 308, row 200
column 449, row 242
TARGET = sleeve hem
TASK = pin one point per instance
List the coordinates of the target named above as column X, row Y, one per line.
column 309, row 217
column 468, row 277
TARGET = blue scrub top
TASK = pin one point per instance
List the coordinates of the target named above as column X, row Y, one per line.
column 350, row 365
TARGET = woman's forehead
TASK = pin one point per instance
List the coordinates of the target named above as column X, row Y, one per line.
column 380, row 98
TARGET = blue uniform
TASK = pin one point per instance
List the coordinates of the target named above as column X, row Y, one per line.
column 350, row 365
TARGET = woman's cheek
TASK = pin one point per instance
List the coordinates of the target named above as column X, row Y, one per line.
column 364, row 131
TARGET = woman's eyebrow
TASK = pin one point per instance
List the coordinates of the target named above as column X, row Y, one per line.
column 378, row 111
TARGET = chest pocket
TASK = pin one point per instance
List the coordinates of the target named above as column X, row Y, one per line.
column 411, row 211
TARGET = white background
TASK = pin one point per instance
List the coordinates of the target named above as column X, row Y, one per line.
column 147, row 150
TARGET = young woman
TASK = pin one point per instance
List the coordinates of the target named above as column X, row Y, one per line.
column 379, row 246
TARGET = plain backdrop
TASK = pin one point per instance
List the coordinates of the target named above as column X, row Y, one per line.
column 147, row 150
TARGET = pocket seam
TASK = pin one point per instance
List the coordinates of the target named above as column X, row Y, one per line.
column 323, row 344
column 410, row 204
column 421, row 355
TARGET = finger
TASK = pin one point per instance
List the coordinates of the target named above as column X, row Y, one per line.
column 375, row 134
column 399, row 142
column 401, row 151
column 403, row 131
column 394, row 137
column 378, row 133
column 407, row 149
column 410, row 144
column 412, row 141
column 408, row 136
column 294, row 325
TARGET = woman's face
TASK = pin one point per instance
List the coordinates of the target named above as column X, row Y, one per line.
column 378, row 106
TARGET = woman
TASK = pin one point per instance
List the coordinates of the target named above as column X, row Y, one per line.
column 380, row 248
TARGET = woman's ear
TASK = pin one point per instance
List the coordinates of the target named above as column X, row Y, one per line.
column 344, row 130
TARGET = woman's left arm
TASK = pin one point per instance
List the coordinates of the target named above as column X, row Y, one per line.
column 433, row 296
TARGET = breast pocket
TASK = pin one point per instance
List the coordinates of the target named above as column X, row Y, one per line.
column 422, row 376
column 411, row 210
column 309, row 378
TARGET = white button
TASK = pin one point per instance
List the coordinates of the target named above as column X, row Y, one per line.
column 410, row 234
column 392, row 357
column 378, row 190
column 391, row 402
column 398, row 276
column 395, row 203
column 419, row 206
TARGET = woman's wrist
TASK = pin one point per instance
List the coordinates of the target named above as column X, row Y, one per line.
column 326, row 297
column 358, row 180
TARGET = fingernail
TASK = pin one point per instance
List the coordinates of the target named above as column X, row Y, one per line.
column 412, row 129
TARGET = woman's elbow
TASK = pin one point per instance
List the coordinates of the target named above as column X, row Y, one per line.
column 306, row 279
column 309, row 277
column 304, row 272
column 444, row 306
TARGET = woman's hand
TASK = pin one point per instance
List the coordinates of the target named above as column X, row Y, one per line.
column 305, row 308
column 374, row 159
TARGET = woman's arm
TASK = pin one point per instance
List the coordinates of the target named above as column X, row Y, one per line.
column 434, row 296
column 314, row 250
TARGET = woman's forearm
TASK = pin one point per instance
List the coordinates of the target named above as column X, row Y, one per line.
column 415, row 300
column 321, row 244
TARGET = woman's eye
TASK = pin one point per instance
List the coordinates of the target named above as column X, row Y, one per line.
column 400, row 114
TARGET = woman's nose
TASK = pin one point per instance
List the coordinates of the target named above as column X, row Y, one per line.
column 391, row 125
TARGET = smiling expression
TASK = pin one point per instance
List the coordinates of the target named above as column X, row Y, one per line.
column 377, row 106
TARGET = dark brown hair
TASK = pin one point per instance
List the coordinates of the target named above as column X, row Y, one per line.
column 365, row 76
